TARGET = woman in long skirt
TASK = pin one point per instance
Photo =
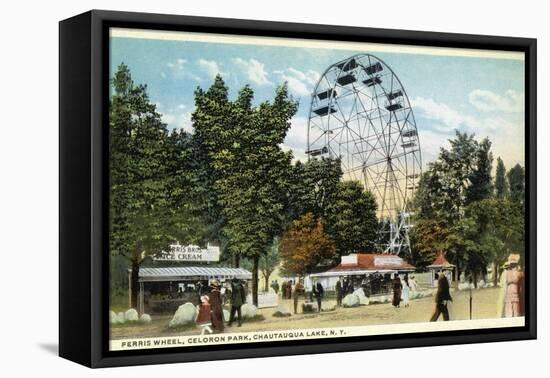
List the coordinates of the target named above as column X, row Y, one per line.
column 216, row 306
column 397, row 289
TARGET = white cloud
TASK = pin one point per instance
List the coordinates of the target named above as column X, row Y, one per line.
column 210, row 67
column 444, row 116
column 176, row 118
column 488, row 101
column 179, row 69
column 254, row 71
column 445, row 119
column 506, row 130
column 299, row 83
column 296, row 138
column 297, row 155
column 178, row 64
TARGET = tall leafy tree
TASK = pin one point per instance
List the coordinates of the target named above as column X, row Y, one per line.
column 480, row 182
column 314, row 186
column 248, row 167
column 460, row 177
column 141, row 221
column 501, row 183
column 305, row 246
column 351, row 219
column 430, row 235
column 516, row 179
column 444, row 186
column 490, row 230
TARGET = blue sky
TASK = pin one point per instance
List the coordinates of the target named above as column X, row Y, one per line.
column 484, row 95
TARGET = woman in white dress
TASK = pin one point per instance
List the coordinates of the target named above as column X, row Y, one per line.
column 405, row 291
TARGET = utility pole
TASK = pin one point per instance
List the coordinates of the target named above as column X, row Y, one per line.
column 470, row 302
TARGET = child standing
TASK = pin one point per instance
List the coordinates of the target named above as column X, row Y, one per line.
column 204, row 320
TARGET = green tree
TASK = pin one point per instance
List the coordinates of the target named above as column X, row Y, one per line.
column 460, row 176
column 429, row 235
column 314, row 186
column 351, row 219
column 305, row 246
column 516, row 179
column 480, row 182
column 248, row 167
column 490, row 230
column 142, row 220
column 501, row 183
column 443, row 187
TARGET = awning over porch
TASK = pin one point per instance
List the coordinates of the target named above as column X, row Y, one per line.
column 183, row 273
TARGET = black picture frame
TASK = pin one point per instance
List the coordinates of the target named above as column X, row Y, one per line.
column 83, row 179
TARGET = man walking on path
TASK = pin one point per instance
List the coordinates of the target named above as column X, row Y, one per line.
column 298, row 290
column 238, row 298
column 339, row 293
column 319, row 291
column 442, row 296
column 397, row 289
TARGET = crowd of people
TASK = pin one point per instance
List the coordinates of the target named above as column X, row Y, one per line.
column 210, row 310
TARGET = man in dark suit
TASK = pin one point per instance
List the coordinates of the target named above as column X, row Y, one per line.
column 238, row 298
column 319, row 292
column 339, row 293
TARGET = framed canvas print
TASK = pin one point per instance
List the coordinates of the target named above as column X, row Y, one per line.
column 233, row 188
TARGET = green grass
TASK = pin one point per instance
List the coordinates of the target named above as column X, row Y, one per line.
column 181, row 328
column 256, row 318
column 126, row 324
column 118, row 301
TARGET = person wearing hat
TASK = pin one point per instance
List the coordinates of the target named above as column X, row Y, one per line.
column 238, row 298
column 512, row 285
column 442, row 298
column 216, row 306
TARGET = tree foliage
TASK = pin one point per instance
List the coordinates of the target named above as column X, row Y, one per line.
column 249, row 171
column 516, row 179
column 480, row 182
column 351, row 219
column 305, row 246
column 314, row 185
column 145, row 196
column 501, row 183
column 456, row 210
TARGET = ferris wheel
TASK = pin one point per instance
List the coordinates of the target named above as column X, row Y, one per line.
column 360, row 113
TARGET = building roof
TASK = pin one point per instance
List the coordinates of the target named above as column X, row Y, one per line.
column 192, row 272
column 440, row 261
column 363, row 263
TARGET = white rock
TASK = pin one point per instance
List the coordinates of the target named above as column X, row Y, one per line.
column 328, row 306
column 145, row 318
column 248, row 311
column 363, row 299
column 120, row 318
column 131, row 315
column 185, row 314
column 463, row 286
column 112, row 317
column 350, row 300
column 282, row 310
